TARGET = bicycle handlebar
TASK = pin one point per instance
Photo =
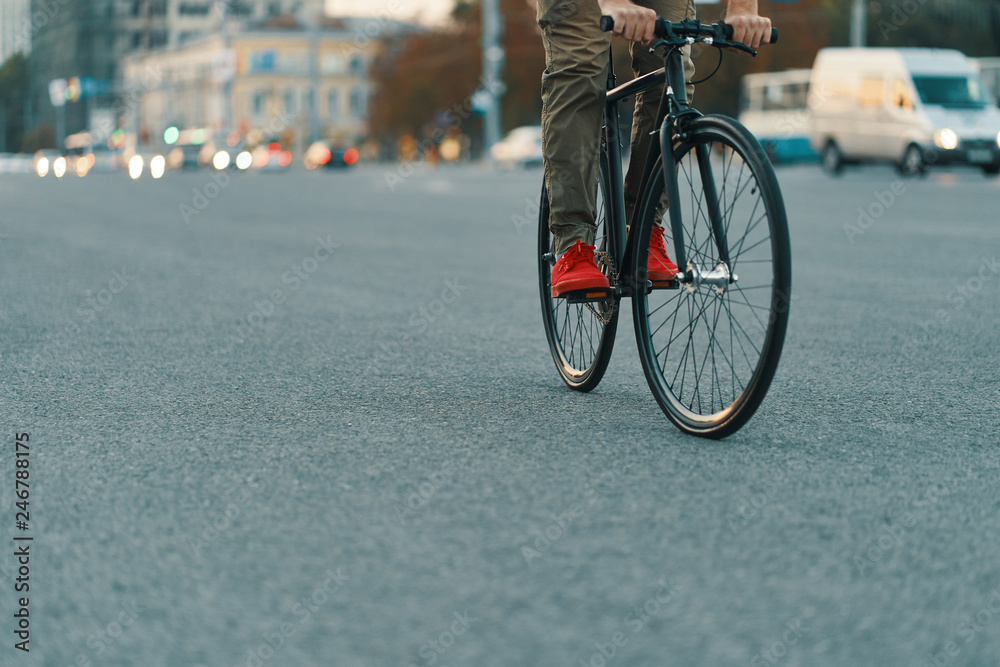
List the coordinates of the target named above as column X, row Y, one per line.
column 719, row 32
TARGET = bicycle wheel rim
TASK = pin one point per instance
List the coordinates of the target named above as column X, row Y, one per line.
column 579, row 341
column 710, row 351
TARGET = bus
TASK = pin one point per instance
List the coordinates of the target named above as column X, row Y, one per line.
column 773, row 106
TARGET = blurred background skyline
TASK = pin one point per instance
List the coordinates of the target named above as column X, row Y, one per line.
column 393, row 79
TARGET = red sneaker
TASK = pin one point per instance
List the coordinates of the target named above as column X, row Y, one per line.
column 660, row 266
column 576, row 269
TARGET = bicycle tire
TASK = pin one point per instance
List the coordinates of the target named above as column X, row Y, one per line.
column 580, row 343
column 744, row 322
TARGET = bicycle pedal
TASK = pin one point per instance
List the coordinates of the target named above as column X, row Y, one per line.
column 588, row 296
column 664, row 284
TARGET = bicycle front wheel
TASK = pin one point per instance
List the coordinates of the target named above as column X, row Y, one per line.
column 581, row 335
column 710, row 342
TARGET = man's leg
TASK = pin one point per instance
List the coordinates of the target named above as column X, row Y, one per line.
column 573, row 86
column 648, row 102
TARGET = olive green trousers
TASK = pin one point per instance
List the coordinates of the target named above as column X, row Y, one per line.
column 573, row 90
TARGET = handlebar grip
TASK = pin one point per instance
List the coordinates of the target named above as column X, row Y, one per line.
column 607, row 24
column 728, row 31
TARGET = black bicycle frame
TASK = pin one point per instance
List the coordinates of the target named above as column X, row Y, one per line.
column 671, row 118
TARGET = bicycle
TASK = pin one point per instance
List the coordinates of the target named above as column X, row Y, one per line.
column 710, row 339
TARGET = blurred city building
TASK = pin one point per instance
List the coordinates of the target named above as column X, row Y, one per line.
column 292, row 78
column 78, row 47
column 15, row 28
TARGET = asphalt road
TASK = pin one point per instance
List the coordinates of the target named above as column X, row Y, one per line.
column 322, row 414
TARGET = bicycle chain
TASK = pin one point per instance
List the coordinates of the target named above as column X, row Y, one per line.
column 604, row 259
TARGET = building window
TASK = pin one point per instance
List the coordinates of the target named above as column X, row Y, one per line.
column 358, row 102
column 194, row 9
column 333, row 105
column 332, row 63
column 262, row 61
column 258, row 102
column 290, row 101
column 357, row 66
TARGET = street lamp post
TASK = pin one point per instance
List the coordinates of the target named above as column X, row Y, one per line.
column 492, row 66
column 859, row 23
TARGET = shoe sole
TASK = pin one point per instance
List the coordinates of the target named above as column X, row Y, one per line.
column 660, row 276
column 580, row 285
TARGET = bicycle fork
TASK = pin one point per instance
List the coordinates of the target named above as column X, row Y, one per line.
column 692, row 274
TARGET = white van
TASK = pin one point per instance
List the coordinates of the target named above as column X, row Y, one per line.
column 911, row 107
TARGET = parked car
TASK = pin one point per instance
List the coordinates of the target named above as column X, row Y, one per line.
column 323, row 154
column 522, row 147
column 910, row 107
column 272, row 156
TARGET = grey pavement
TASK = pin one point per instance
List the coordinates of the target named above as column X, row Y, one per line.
column 319, row 424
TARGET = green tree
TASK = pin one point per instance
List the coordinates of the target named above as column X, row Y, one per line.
column 428, row 74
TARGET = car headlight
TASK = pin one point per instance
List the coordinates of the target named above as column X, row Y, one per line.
column 946, row 139
column 221, row 160
column 135, row 165
column 42, row 167
column 157, row 166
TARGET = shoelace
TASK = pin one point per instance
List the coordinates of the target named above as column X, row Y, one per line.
column 573, row 255
column 656, row 240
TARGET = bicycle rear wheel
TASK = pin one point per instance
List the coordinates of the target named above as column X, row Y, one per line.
column 710, row 343
column 580, row 335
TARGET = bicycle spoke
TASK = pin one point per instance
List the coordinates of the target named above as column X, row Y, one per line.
column 708, row 343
